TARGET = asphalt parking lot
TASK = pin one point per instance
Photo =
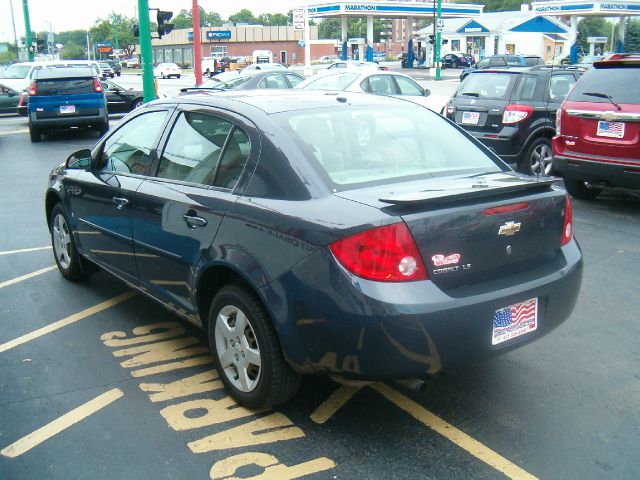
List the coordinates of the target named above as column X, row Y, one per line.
column 99, row 382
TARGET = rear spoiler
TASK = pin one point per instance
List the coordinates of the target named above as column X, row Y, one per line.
column 477, row 190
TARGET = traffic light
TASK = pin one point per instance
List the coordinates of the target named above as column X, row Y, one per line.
column 445, row 41
column 41, row 45
column 135, row 30
column 163, row 27
column 432, row 39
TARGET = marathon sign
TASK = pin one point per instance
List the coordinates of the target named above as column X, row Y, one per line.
column 218, row 34
column 577, row 7
column 360, row 8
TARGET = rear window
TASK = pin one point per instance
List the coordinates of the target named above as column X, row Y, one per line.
column 332, row 82
column 514, row 61
column 487, row 85
column 361, row 146
column 531, row 61
column 616, row 82
column 65, row 86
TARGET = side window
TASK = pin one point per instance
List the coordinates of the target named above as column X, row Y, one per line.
column 496, row 61
column 381, row 85
column 483, row 63
column 275, row 80
column 293, row 79
column 559, row 87
column 193, row 148
column 408, row 86
column 528, row 87
column 128, row 149
column 233, row 160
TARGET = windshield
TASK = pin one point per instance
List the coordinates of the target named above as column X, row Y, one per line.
column 358, row 146
column 330, row 82
column 616, row 82
column 17, row 71
column 486, row 85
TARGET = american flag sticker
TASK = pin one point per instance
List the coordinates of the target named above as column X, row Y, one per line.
column 610, row 129
column 515, row 320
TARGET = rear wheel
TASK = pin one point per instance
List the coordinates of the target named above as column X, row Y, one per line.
column 246, row 350
column 177, row 76
column 161, row 75
column 137, row 103
column 579, row 189
column 454, row 64
column 537, row 160
column 34, row 134
column 64, row 246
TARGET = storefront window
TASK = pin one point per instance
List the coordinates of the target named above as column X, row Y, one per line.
column 455, row 45
column 168, row 55
column 187, row 56
column 177, row 55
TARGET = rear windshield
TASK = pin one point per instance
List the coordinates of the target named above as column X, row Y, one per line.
column 361, row 146
column 620, row 83
column 65, row 86
column 487, row 85
column 514, row 61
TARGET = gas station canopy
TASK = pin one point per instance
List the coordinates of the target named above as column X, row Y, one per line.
column 392, row 9
column 582, row 8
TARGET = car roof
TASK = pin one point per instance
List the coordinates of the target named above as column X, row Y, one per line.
column 616, row 60
column 63, row 72
column 272, row 101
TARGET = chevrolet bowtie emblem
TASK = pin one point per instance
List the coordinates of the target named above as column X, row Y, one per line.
column 509, row 229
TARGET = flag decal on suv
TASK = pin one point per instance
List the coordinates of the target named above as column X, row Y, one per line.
column 610, row 129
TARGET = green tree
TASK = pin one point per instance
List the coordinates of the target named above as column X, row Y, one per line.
column 184, row 19
column 104, row 30
column 79, row 37
column 591, row 27
column 73, row 51
column 243, row 16
column 632, row 38
column 331, row 28
column 272, row 19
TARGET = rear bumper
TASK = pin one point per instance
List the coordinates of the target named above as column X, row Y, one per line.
column 508, row 143
column 331, row 322
column 609, row 172
column 65, row 122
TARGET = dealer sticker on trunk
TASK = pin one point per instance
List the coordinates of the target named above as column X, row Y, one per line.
column 515, row 320
column 610, row 129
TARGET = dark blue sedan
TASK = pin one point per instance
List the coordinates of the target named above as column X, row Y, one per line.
column 307, row 232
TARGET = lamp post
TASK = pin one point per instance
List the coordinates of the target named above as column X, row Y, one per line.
column 27, row 29
column 438, row 38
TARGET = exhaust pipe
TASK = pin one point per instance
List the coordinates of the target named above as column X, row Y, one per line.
column 414, row 384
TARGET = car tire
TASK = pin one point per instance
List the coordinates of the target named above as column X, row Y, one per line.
column 161, row 75
column 273, row 381
column 35, row 134
column 177, row 76
column 454, row 64
column 137, row 103
column 579, row 189
column 118, row 73
column 64, row 246
column 112, row 75
column 538, row 158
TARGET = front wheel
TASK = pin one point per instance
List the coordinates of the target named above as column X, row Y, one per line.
column 118, row 73
column 538, row 159
column 137, row 103
column 64, row 246
column 579, row 189
column 454, row 65
column 246, row 350
column 177, row 76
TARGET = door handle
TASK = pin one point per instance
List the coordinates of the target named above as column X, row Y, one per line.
column 194, row 221
column 120, row 202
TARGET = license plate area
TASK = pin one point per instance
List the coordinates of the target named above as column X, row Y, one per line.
column 610, row 129
column 67, row 109
column 514, row 321
column 470, row 118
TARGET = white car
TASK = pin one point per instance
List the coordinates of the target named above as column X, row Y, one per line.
column 378, row 83
column 354, row 65
column 261, row 67
column 167, row 70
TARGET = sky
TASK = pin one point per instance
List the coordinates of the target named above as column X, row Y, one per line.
column 80, row 14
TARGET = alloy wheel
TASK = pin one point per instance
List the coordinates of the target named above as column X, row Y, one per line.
column 237, row 348
column 62, row 241
column 541, row 157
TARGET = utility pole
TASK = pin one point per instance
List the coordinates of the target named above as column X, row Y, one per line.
column 197, row 45
column 145, row 51
column 27, row 29
column 13, row 22
column 88, row 47
column 438, row 38
column 116, row 25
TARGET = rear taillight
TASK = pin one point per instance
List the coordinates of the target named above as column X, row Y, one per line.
column 558, row 121
column 516, row 113
column 384, row 254
column 567, row 229
column 21, row 101
column 32, row 88
column 96, row 86
column 450, row 109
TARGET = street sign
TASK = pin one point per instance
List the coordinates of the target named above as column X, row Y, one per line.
column 219, row 34
column 440, row 23
column 597, row 39
column 298, row 18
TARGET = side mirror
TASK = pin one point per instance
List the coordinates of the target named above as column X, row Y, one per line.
column 80, row 160
column 427, row 92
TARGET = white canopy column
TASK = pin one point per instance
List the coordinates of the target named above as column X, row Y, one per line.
column 343, row 21
column 369, row 51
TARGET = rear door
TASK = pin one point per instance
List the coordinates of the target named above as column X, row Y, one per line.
column 599, row 127
column 102, row 199
column 179, row 210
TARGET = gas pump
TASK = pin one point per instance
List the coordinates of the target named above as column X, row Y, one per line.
column 357, row 48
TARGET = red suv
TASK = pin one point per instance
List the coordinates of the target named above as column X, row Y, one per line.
column 598, row 129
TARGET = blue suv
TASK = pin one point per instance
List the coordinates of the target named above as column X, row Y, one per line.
column 65, row 97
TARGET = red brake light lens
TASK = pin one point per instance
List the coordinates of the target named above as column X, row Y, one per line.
column 516, row 113
column 514, row 207
column 567, row 230
column 32, row 88
column 384, row 254
column 96, row 86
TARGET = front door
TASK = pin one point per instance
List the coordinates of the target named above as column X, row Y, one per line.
column 178, row 212
column 102, row 199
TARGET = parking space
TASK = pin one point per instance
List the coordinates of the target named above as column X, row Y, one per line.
column 100, row 382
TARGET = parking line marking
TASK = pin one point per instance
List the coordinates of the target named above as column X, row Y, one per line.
column 66, row 321
column 335, row 402
column 24, row 250
column 461, row 439
column 21, row 278
column 60, row 424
